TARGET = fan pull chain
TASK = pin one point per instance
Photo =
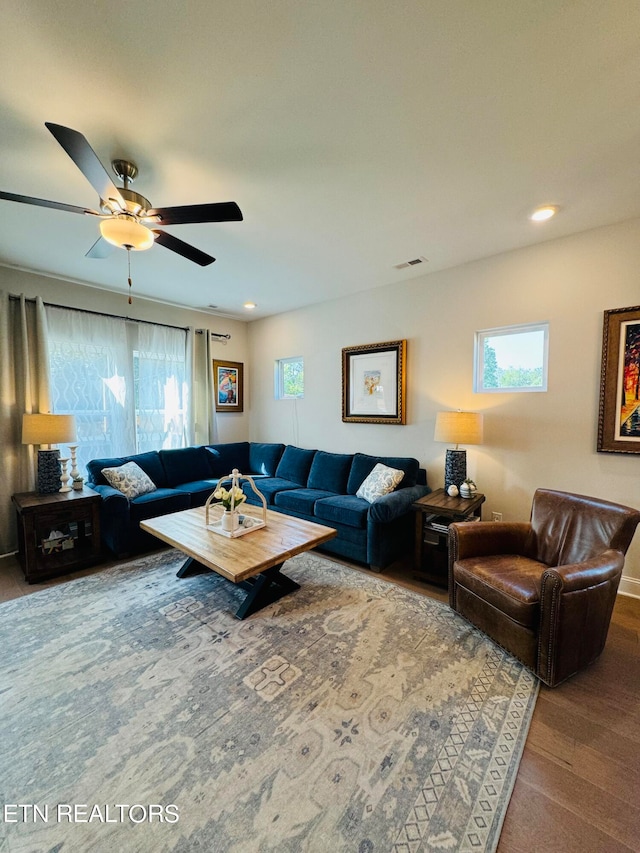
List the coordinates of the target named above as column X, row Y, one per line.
column 129, row 269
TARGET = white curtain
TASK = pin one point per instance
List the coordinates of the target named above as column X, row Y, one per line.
column 204, row 429
column 126, row 382
column 162, row 365
column 24, row 387
column 92, row 377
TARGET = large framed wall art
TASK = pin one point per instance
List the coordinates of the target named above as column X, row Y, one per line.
column 619, row 417
column 227, row 385
column 374, row 383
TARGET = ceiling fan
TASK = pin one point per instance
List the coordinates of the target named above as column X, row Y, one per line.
column 126, row 216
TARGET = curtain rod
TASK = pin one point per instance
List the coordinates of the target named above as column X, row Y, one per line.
column 220, row 335
column 103, row 314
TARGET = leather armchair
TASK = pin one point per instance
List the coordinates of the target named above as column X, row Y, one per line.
column 544, row 590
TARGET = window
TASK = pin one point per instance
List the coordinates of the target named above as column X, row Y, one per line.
column 511, row 358
column 289, row 378
column 125, row 382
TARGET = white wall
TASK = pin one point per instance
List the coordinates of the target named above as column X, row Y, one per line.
column 531, row 440
column 230, row 426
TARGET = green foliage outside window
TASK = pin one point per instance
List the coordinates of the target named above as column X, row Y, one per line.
column 289, row 375
column 508, row 377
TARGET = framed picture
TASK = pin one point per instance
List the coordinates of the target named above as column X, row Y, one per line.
column 374, row 383
column 227, row 384
column 619, row 418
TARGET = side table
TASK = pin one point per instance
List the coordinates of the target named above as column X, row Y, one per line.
column 57, row 533
column 434, row 512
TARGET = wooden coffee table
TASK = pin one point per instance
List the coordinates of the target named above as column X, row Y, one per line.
column 252, row 561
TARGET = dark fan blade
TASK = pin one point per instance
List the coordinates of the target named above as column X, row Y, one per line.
column 222, row 211
column 86, row 159
column 101, row 249
column 182, row 248
column 42, row 202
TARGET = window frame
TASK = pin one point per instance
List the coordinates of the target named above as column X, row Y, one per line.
column 499, row 331
column 278, row 373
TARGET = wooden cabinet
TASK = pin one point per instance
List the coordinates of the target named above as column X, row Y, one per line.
column 434, row 513
column 58, row 533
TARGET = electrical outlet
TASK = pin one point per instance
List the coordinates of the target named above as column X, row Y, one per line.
column 496, row 516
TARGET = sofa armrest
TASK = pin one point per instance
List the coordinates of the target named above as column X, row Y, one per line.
column 389, row 507
column 112, row 500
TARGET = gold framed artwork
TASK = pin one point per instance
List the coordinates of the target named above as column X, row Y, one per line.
column 374, row 383
column 619, row 415
column 228, row 385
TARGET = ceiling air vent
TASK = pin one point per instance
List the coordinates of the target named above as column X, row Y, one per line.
column 412, row 263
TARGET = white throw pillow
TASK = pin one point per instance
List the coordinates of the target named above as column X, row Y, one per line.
column 129, row 479
column 380, row 481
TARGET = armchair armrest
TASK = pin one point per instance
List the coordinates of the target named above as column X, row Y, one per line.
column 576, row 602
column 582, row 576
column 482, row 539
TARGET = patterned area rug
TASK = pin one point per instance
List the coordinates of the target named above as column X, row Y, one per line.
column 137, row 714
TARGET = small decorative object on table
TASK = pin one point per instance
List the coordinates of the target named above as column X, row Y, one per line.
column 453, row 491
column 64, row 477
column 229, row 522
column 77, row 484
column 74, row 473
column 468, row 489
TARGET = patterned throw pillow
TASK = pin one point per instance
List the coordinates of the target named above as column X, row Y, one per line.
column 129, row 479
column 380, row 481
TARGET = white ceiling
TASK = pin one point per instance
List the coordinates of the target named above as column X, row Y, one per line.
column 353, row 134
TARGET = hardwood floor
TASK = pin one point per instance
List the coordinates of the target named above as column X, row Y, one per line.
column 578, row 786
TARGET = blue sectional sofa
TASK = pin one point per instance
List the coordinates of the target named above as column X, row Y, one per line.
column 310, row 484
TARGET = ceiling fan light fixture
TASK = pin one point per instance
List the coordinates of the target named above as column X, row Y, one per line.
column 126, row 233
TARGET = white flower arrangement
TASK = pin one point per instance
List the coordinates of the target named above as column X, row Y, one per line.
column 227, row 497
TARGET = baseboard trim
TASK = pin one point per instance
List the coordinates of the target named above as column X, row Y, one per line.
column 630, row 587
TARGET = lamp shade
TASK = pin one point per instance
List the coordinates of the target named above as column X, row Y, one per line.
column 125, row 232
column 459, row 427
column 48, row 429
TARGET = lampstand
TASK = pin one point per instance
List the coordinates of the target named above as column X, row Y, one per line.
column 48, row 429
column 457, row 428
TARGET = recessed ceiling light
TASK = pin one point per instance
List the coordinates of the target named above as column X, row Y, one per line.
column 541, row 214
column 249, row 305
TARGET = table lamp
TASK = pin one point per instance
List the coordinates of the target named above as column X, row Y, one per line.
column 457, row 428
column 46, row 429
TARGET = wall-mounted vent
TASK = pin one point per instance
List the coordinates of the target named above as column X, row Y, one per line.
column 412, row 263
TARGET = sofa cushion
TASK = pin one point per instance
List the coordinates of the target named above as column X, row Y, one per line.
column 223, row 458
column 160, row 502
column 263, row 458
column 364, row 464
column 149, row 462
column 510, row 583
column 151, row 465
column 269, row 486
column 199, row 490
column 184, row 464
column 380, row 481
column 342, row 509
column 330, row 471
column 96, row 466
column 300, row 500
column 295, row 464
column 129, row 479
